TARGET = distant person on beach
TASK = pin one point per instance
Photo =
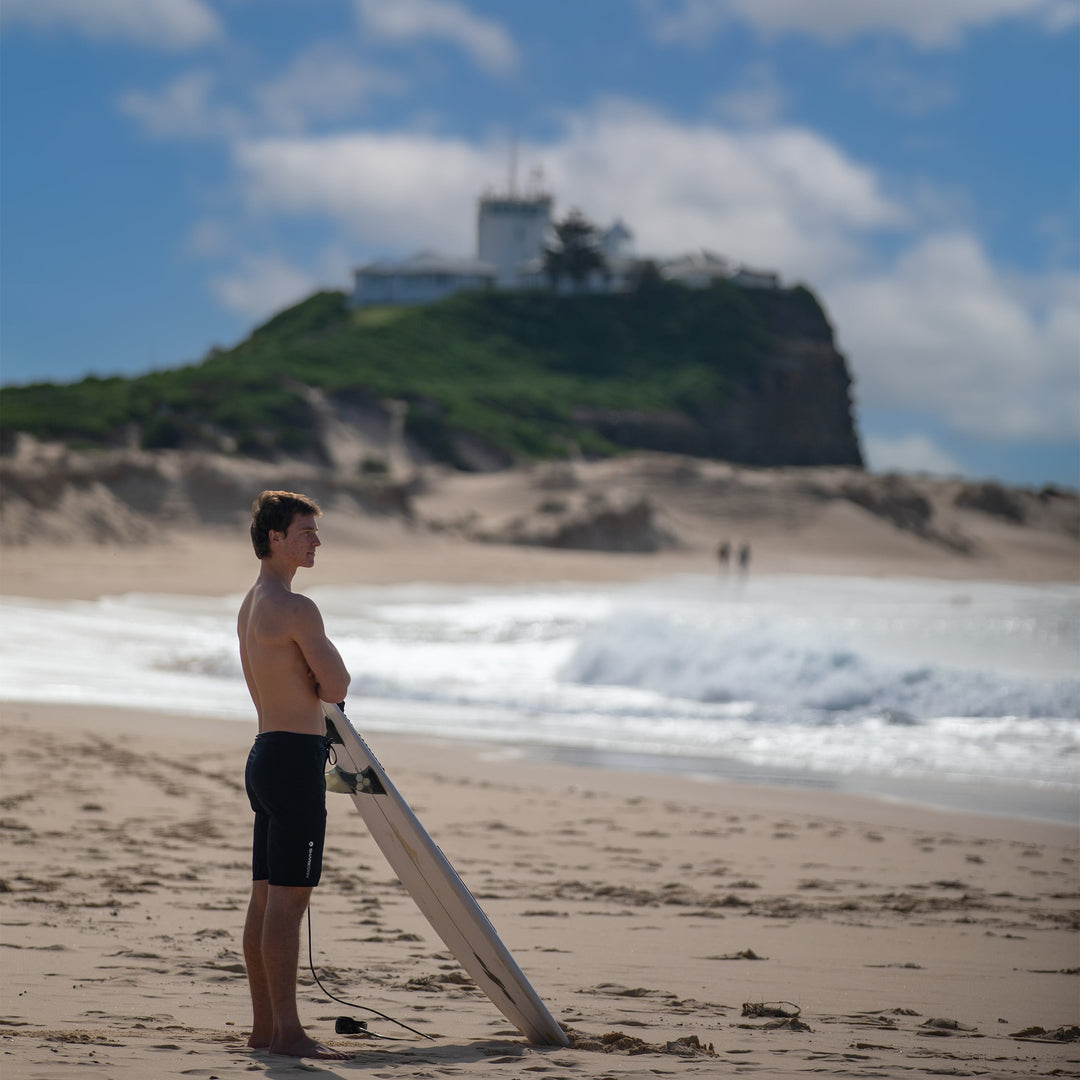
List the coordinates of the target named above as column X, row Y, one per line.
column 723, row 554
column 290, row 665
column 744, row 558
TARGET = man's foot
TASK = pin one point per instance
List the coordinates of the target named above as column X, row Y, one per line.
column 307, row 1047
column 260, row 1038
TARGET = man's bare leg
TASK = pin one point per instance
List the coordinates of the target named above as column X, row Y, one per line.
column 262, row 1025
column 285, row 907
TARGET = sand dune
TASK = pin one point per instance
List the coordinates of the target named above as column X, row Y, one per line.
column 81, row 525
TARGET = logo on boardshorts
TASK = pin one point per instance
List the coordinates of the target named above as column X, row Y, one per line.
column 310, row 856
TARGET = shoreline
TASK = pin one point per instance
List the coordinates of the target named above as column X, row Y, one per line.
column 998, row 800
column 1047, row 804
column 999, row 797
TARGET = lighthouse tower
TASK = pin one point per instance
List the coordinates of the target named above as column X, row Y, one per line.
column 511, row 230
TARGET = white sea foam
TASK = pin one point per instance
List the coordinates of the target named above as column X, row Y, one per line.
column 921, row 679
column 777, row 667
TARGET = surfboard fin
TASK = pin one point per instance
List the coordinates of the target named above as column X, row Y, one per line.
column 349, row 783
column 368, row 782
column 340, row 782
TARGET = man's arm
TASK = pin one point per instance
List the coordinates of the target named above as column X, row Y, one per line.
column 324, row 661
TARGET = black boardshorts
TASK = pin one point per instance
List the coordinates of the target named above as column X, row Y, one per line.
column 287, row 791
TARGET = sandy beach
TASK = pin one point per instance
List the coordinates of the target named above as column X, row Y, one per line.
column 896, row 939
column 674, row 925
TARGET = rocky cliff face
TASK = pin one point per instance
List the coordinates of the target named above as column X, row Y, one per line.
column 804, row 388
column 795, row 409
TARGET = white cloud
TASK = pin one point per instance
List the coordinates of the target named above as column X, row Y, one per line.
column 787, row 198
column 945, row 331
column 166, row 24
column 485, row 41
column 393, row 192
column 902, row 88
column 757, row 100
column 925, row 23
column 784, row 197
column 259, row 286
column 324, row 82
column 262, row 285
column 913, row 453
column 183, row 109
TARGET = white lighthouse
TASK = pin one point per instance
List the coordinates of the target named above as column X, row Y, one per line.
column 511, row 231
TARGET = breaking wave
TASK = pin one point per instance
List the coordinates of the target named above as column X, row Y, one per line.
column 784, row 671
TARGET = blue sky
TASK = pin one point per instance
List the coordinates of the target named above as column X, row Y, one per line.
column 175, row 171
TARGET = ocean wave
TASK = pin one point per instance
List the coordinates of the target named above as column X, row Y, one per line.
column 779, row 668
column 811, row 676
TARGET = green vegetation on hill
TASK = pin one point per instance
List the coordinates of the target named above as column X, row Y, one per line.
column 509, row 368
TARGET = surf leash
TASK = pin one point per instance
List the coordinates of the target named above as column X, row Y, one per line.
column 354, row 1005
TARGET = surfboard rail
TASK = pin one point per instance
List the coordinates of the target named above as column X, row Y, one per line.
column 437, row 889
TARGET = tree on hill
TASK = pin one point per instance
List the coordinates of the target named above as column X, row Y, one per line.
column 645, row 277
column 574, row 252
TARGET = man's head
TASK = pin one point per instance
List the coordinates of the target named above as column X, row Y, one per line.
column 274, row 512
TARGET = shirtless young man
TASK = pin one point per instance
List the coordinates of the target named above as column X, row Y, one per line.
column 290, row 665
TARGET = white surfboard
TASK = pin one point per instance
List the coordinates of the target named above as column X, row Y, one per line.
column 438, row 890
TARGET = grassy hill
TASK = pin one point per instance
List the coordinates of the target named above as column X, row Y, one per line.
column 525, row 373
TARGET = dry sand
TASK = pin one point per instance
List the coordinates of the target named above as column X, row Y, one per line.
column 909, row 941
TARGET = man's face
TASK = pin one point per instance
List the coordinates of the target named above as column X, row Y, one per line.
column 300, row 540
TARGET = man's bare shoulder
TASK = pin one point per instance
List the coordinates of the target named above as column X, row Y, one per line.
column 298, row 604
column 283, row 604
column 270, row 593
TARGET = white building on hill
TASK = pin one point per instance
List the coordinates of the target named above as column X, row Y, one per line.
column 420, row 279
column 512, row 232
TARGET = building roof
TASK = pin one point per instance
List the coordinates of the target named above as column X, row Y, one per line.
column 427, row 262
